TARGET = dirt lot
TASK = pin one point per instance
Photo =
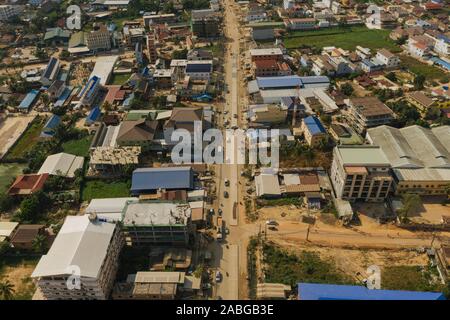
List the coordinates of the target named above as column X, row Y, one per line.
column 11, row 129
column 352, row 261
column 18, row 273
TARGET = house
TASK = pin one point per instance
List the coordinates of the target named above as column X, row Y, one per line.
column 420, row 100
column 316, row 291
column 300, row 23
column 442, row 45
column 56, row 36
column 62, row 164
column 271, row 68
column 371, row 65
column 140, row 132
column 56, row 89
column 27, row 184
column 99, row 39
column 51, row 72
column 156, row 19
column 367, row 112
column 266, row 54
column 49, row 129
column 149, row 180
column 93, row 116
column 313, row 131
column 256, row 13
column 25, row 234
column 78, row 238
column 89, row 93
column 7, row 229
column 418, row 49
column 266, row 114
column 27, row 103
column 185, row 118
column 388, row 58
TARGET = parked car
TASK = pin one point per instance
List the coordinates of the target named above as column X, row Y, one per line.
column 227, row 183
column 218, row 276
column 219, row 212
column 271, row 222
column 225, row 194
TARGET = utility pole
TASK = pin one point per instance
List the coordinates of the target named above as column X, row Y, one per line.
column 307, row 232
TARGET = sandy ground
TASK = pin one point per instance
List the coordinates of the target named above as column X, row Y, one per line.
column 352, row 261
column 19, row 276
column 11, row 129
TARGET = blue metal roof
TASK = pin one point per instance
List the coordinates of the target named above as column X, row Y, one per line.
column 316, row 291
column 314, row 125
column 29, row 99
column 93, row 115
column 147, row 179
column 279, row 82
column 314, row 79
column 51, row 65
column 441, row 62
column 51, row 124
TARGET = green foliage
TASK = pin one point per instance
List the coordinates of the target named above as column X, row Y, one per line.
column 419, row 82
column 411, row 278
column 180, row 54
column 105, row 189
column 410, row 203
column 40, row 243
column 347, row 89
column 407, row 114
column 33, row 208
column 6, row 290
column 288, row 268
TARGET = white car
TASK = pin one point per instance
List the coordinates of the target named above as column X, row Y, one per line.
column 218, row 276
column 271, row 223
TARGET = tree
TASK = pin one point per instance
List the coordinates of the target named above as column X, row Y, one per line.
column 347, row 89
column 39, row 243
column 410, row 203
column 6, row 290
column 419, row 81
column 326, row 119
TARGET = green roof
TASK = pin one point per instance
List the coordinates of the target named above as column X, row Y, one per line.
column 77, row 39
column 56, row 32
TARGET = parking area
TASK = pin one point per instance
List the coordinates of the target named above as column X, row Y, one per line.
column 11, row 128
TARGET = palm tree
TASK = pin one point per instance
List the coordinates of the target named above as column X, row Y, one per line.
column 6, row 290
column 410, row 203
column 39, row 243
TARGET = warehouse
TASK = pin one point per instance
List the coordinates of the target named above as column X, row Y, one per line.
column 149, row 180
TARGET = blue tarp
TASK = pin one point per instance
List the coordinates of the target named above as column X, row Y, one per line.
column 316, row 291
column 150, row 179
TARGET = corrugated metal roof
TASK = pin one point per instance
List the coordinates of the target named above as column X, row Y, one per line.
column 145, row 179
column 316, row 291
column 29, row 99
column 314, row 125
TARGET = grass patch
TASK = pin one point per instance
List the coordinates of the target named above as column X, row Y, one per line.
column 18, row 271
column 411, row 278
column 288, row 268
column 279, row 202
column 9, row 171
column 27, row 141
column 78, row 147
column 345, row 37
column 120, row 78
column 105, row 189
column 417, row 67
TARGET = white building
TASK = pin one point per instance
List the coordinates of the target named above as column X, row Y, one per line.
column 442, row 46
column 86, row 247
column 388, row 58
column 360, row 173
column 288, row 4
column 62, row 164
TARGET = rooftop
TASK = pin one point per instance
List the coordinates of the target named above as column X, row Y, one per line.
column 146, row 179
column 61, row 164
column 155, row 214
column 361, row 155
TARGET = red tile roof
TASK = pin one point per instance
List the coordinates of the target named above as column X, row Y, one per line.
column 28, row 184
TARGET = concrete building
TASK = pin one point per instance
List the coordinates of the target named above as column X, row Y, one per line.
column 205, row 23
column 266, row 54
column 156, row 223
column 271, row 68
column 368, row 112
column 84, row 246
column 388, row 58
column 360, row 173
column 267, row 114
column 313, row 131
column 99, row 39
column 419, row 157
column 90, row 91
column 301, row 24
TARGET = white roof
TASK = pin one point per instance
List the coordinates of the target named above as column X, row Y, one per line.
column 265, row 52
column 109, row 209
column 6, row 228
column 267, row 184
column 62, row 164
column 78, row 49
column 291, row 179
column 80, row 243
column 103, row 68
